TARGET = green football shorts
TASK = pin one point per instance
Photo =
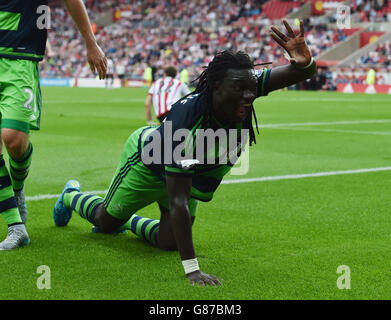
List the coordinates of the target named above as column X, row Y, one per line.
column 134, row 186
column 20, row 94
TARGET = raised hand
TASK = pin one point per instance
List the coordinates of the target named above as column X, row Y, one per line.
column 293, row 44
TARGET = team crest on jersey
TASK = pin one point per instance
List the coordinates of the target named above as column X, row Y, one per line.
column 192, row 96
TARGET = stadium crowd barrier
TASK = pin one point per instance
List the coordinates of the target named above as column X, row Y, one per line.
column 88, row 83
column 57, row 82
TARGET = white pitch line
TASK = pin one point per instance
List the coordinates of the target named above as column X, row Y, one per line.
column 349, row 99
column 55, row 196
column 306, row 175
column 326, row 123
column 377, row 133
column 259, row 179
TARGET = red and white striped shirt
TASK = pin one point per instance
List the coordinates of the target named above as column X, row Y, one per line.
column 165, row 92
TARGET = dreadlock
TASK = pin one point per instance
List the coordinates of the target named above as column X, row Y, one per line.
column 215, row 71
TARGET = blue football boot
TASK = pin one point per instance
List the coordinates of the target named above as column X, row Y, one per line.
column 61, row 213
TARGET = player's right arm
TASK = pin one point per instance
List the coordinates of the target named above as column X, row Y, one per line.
column 179, row 194
column 95, row 56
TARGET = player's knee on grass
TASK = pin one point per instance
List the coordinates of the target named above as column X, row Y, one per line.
column 105, row 222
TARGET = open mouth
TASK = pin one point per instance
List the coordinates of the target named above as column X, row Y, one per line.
column 243, row 110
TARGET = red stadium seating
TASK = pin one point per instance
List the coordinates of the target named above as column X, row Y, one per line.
column 158, row 33
column 277, row 9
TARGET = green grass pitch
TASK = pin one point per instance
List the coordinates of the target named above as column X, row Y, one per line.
column 274, row 239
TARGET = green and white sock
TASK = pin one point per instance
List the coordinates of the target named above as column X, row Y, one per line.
column 19, row 168
column 145, row 228
column 8, row 206
column 84, row 204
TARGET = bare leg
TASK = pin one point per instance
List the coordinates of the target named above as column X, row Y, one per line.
column 105, row 222
column 15, row 141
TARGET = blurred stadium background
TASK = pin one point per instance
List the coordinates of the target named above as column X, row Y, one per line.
column 351, row 40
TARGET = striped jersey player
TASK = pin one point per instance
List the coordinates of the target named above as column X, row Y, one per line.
column 163, row 93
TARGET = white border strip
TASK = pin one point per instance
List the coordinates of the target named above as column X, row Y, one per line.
column 259, row 179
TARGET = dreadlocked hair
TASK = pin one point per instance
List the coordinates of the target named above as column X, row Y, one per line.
column 215, row 71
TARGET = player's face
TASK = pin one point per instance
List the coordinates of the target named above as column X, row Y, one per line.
column 234, row 95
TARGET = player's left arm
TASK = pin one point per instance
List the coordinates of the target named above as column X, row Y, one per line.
column 148, row 103
column 95, row 56
column 49, row 49
column 178, row 189
column 302, row 66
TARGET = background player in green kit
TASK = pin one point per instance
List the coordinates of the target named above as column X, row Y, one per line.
column 223, row 100
column 23, row 35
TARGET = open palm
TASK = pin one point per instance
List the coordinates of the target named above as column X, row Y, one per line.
column 294, row 45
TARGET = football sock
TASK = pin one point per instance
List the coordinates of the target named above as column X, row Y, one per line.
column 8, row 206
column 19, row 168
column 84, row 204
column 144, row 227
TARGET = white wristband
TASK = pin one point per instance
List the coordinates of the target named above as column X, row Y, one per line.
column 308, row 65
column 190, row 265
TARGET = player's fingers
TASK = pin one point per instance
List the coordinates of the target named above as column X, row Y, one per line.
column 210, row 282
column 214, row 281
column 201, row 282
column 103, row 70
column 279, row 33
column 216, row 278
column 217, row 282
column 99, row 69
column 104, row 65
column 289, row 29
column 92, row 67
column 104, row 61
column 279, row 41
column 301, row 28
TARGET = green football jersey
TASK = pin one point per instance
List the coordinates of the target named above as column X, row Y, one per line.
column 23, row 28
